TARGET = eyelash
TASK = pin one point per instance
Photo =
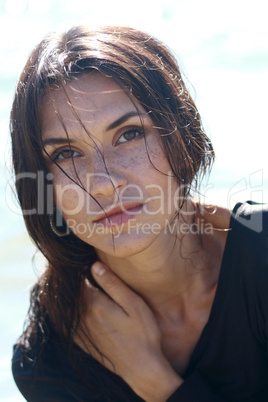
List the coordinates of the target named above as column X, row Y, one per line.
column 135, row 130
column 58, row 155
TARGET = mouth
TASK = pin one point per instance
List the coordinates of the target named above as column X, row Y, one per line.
column 118, row 215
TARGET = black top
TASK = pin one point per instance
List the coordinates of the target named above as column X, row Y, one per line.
column 229, row 362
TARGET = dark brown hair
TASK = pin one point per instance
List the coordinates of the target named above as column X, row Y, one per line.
column 145, row 68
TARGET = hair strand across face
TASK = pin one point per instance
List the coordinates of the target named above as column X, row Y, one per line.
column 147, row 71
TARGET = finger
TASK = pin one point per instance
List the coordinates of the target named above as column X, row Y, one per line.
column 94, row 296
column 89, row 291
column 100, row 307
column 115, row 287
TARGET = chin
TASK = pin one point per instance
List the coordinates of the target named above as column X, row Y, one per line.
column 123, row 245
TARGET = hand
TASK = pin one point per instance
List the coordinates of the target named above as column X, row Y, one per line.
column 123, row 328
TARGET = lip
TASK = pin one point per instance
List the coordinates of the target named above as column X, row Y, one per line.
column 119, row 214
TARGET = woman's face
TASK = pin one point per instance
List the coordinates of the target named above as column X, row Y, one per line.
column 114, row 164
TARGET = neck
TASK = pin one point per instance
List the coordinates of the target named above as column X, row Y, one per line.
column 171, row 274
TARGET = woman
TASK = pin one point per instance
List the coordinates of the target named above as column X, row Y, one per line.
column 147, row 294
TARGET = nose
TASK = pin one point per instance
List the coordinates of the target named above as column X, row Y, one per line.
column 105, row 184
column 106, row 179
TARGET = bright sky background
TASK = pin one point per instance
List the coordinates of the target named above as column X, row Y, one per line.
column 223, row 49
column 222, row 45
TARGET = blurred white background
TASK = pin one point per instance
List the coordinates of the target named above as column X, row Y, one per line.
column 223, row 49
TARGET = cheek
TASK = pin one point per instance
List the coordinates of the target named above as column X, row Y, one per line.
column 70, row 199
column 157, row 157
column 146, row 159
column 131, row 161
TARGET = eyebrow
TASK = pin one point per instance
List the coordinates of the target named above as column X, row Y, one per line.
column 123, row 118
column 57, row 141
column 112, row 126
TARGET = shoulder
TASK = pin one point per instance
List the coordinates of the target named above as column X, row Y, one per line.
column 249, row 215
column 252, row 216
column 245, row 266
column 249, row 224
column 39, row 358
column 244, row 229
column 249, row 246
column 29, row 363
column 49, row 371
column 250, row 239
column 36, row 369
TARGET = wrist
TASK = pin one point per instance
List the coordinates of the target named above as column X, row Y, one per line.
column 159, row 384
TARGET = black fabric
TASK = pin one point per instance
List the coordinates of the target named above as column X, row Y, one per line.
column 230, row 361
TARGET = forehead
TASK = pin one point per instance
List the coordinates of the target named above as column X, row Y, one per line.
column 93, row 98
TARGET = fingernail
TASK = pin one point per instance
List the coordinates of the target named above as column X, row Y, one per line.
column 98, row 268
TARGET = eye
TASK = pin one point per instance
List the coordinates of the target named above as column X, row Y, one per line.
column 64, row 154
column 130, row 135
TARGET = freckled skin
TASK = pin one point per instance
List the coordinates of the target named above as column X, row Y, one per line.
column 179, row 290
column 99, row 101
